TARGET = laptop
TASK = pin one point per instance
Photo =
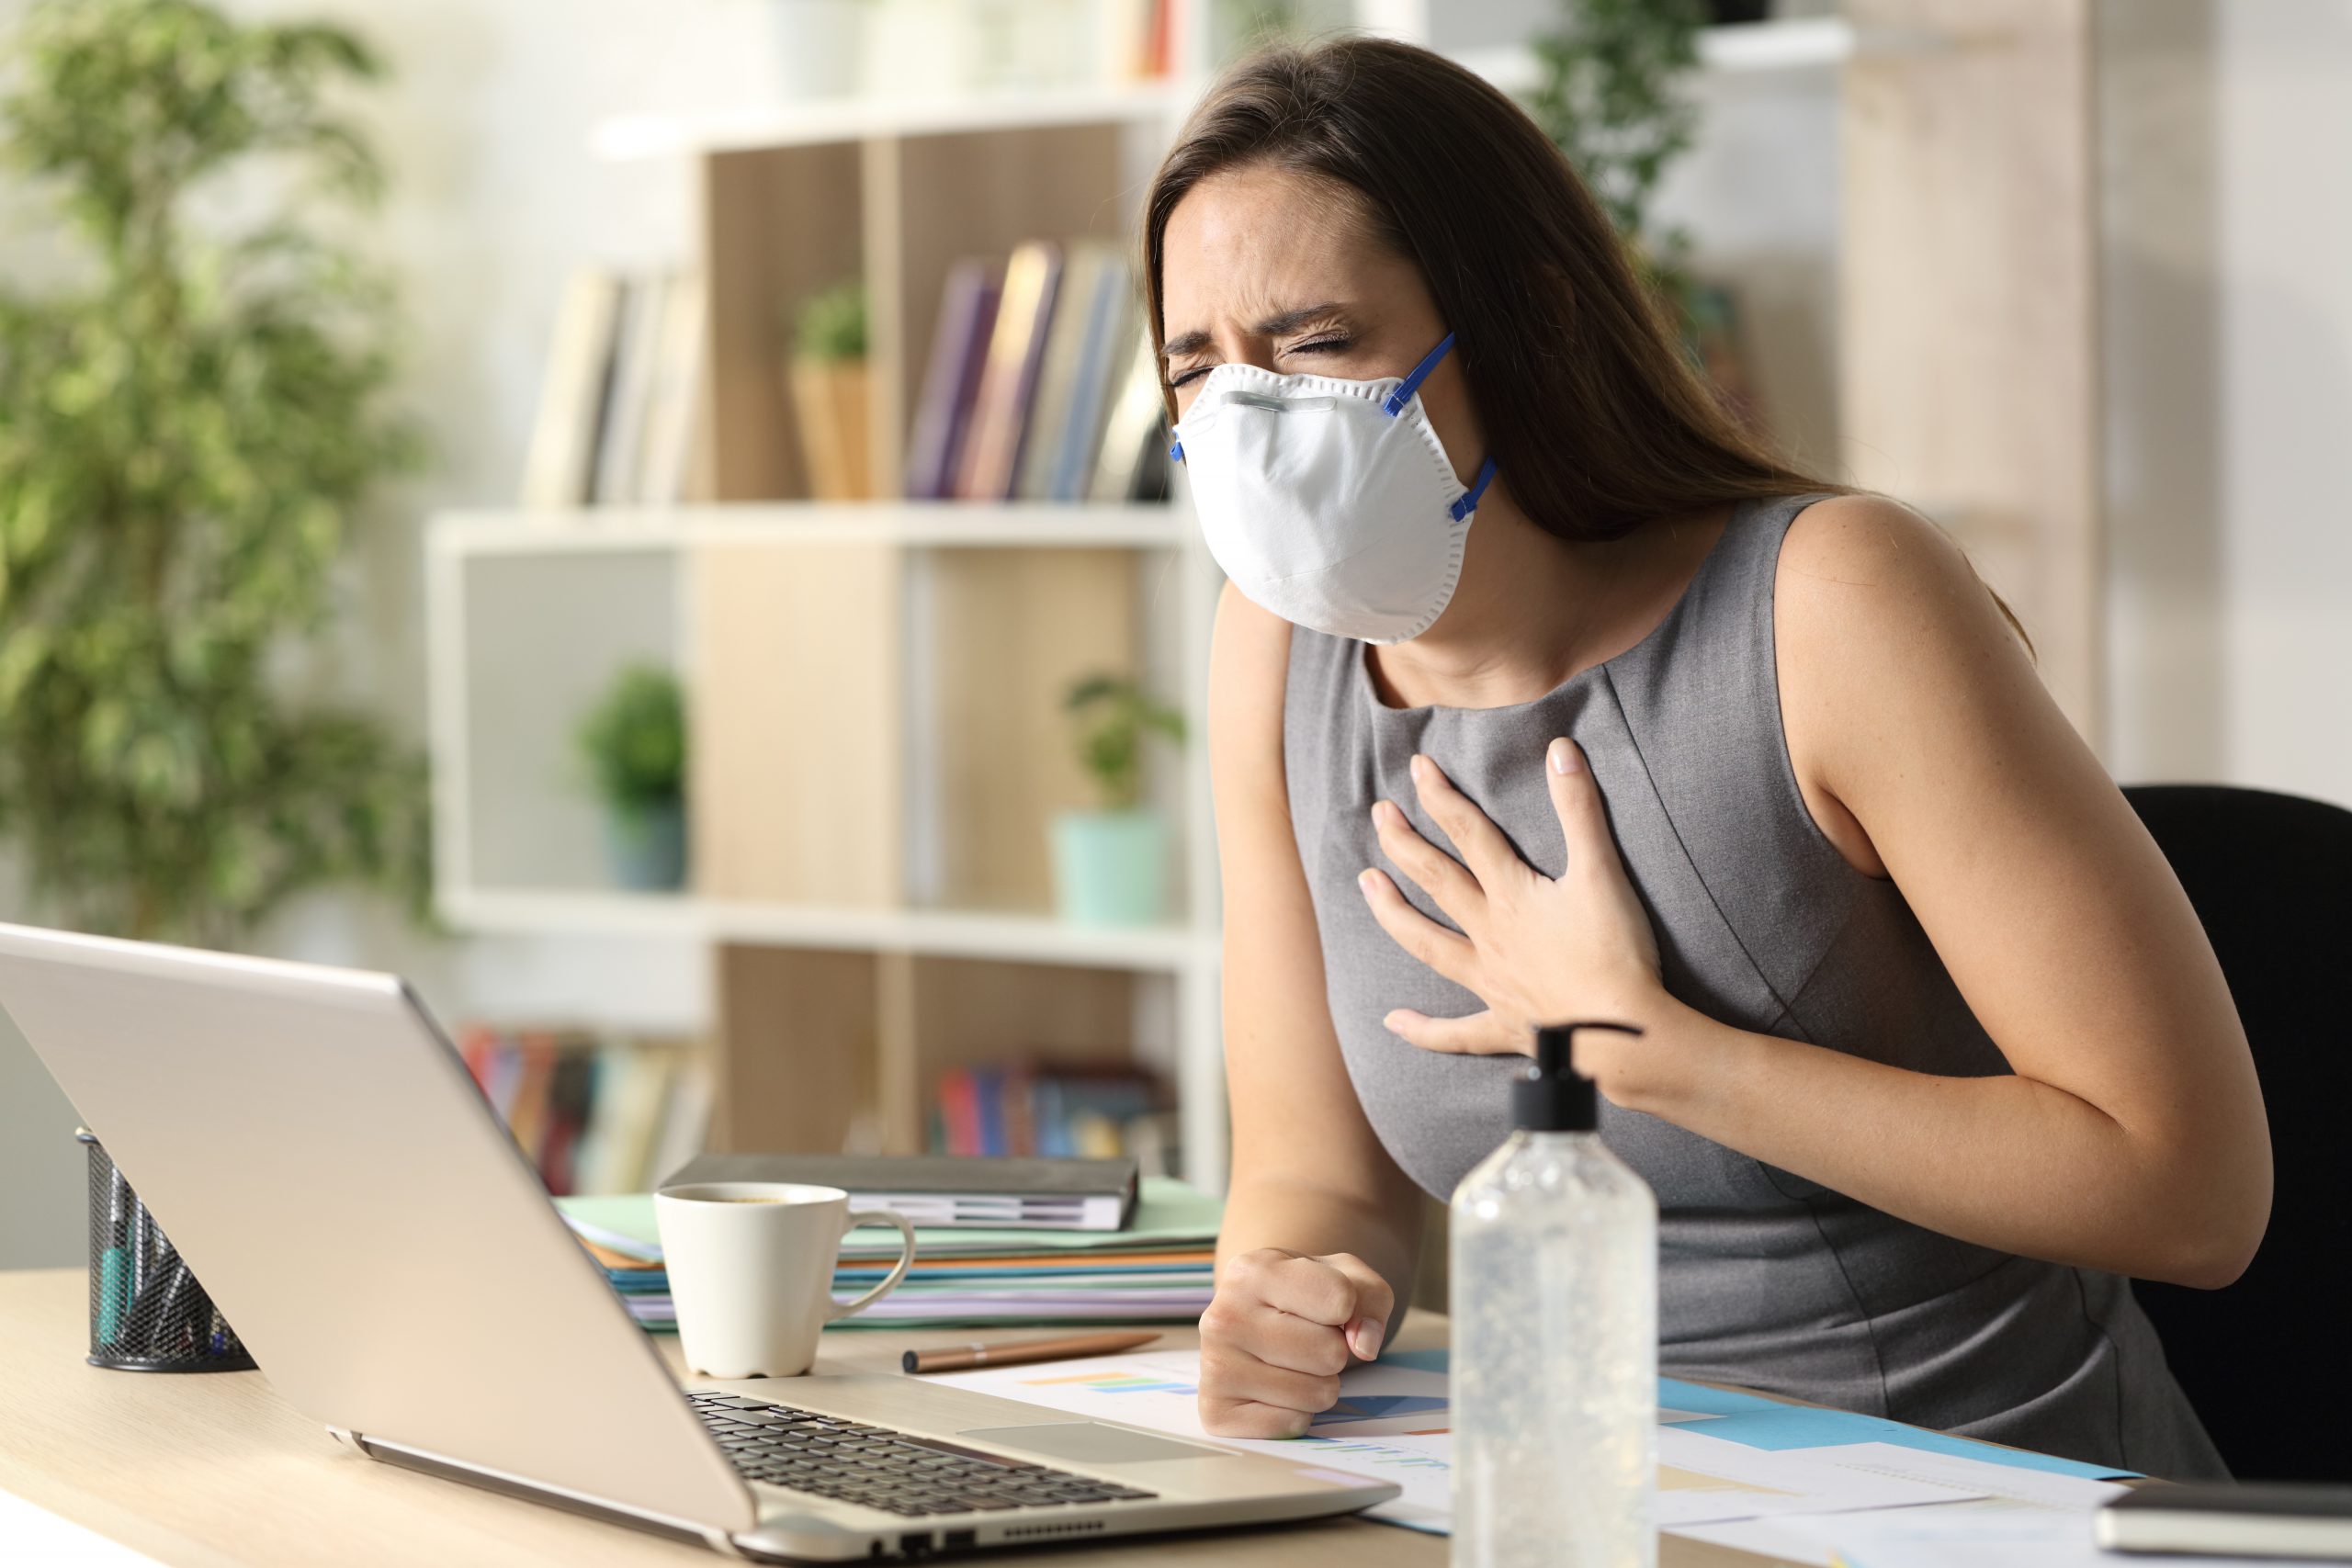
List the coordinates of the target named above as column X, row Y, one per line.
column 317, row 1152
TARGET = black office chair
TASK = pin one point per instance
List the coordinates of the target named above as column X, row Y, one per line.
column 2268, row 1361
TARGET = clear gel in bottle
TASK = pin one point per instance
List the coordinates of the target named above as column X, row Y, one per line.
column 1554, row 1365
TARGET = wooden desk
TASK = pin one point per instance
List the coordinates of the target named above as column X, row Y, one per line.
column 216, row 1472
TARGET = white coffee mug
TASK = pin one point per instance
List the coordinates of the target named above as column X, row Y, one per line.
column 751, row 1267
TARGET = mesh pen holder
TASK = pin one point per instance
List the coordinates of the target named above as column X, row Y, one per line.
column 147, row 1313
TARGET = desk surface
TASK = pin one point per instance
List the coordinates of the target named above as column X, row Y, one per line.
column 218, row 1472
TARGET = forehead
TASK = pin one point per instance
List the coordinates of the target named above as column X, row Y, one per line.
column 1257, row 240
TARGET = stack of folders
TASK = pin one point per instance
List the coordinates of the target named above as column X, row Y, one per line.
column 1160, row 1269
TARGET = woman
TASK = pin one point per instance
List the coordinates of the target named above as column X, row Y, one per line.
column 1539, row 692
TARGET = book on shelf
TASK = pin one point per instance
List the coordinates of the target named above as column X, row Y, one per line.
column 620, row 393
column 951, row 381
column 593, row 1113
column 664, row 472
column 637, row 351
column 559, row 466
column 1039, row 385
column 1055, row 1110
column 1134, row 462
column 1025, row 311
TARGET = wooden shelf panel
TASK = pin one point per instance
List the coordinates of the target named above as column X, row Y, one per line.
column 1026, row 938
column 760, row 127
column 910, row 524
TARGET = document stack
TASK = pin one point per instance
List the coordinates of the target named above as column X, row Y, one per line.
column 1159, row 1268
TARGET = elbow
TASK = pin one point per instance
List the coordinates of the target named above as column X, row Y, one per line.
column 2211, row 1266
column 2215, row 1248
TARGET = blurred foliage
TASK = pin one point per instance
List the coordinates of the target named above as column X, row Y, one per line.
column 1114, row 718
column 184, row 438
column 831, row 326
column 635, row 740
column 1611, row 94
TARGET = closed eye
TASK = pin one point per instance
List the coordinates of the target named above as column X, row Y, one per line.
column 1335, row 343
column 1194, row 374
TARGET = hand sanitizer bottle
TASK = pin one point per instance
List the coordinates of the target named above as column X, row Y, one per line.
column 1554, row 1365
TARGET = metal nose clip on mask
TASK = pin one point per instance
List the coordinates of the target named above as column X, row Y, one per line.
column 1329, row 503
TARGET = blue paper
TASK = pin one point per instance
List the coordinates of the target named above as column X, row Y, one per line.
column 1701, row 1400
column 1780, row 1427
column 1755, row 1422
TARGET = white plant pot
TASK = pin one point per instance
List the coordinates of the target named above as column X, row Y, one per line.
column 819, row 46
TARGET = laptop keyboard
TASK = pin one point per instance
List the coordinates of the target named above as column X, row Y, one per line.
column 828, row 1456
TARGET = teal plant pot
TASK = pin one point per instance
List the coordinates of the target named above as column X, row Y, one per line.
column 1110, row 867
column 646, row 846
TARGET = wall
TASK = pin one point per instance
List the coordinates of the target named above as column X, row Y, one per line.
column 2229, row 370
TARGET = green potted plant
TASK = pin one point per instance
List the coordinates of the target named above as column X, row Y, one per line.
column 1614, row 96
column 1111, row 863
column 828, row 383
column 634, row 741
column 189, row 427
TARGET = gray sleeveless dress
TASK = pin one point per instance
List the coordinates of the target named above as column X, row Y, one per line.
column 1765, row 1278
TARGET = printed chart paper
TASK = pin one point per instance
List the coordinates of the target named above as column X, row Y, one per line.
column 1392, row 1424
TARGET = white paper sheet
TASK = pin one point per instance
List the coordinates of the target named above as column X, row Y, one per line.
column 2013, row 1535
column 1972, row 1477
column 1392, row 1424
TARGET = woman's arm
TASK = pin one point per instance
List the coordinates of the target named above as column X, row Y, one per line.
column 1321, row 1229
column 2131, row 1136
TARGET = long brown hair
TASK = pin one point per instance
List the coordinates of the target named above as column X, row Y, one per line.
column 1593, row 413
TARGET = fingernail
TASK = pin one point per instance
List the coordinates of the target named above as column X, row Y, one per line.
column 1363, row 879
column 1564, row 757
column 1421, row 764
column 1366, row 1341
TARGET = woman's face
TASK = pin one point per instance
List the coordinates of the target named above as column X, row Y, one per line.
column 1259, row 267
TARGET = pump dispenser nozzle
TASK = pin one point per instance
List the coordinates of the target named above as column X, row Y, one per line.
column 1552, row 1096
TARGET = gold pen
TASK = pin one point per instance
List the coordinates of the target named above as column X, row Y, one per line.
column 962, row 1357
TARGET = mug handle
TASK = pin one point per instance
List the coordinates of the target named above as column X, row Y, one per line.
column 840, row 1309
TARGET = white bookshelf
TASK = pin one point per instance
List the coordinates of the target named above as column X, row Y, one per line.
column 910, row 524
column 943, row 933
column 530, row 612
column 813, row 123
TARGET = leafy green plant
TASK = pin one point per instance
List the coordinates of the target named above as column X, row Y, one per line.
column 1611, row 96
column 831, row 326
column 634, row 741
column 1113, row 716
column 185, row 438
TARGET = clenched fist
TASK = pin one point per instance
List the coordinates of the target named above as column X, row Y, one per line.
column 1282, row 1328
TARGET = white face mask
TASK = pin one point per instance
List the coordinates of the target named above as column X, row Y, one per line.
column 1329, row 503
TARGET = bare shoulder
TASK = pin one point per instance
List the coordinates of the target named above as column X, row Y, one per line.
column 1853, row 561
column 1896, row 667
column 1869, row 596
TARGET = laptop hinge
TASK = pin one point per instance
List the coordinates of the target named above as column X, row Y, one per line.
column 538, row 1491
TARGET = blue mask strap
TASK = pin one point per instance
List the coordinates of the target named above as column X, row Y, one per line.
column 1176, row 451
column 1412, row 383
column 1469, row 501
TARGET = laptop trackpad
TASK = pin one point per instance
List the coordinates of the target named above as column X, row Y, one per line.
column 1091, row 1442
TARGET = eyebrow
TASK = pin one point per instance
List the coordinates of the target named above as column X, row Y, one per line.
column 1273, row 326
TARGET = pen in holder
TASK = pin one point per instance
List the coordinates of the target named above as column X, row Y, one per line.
column 147, row 1313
